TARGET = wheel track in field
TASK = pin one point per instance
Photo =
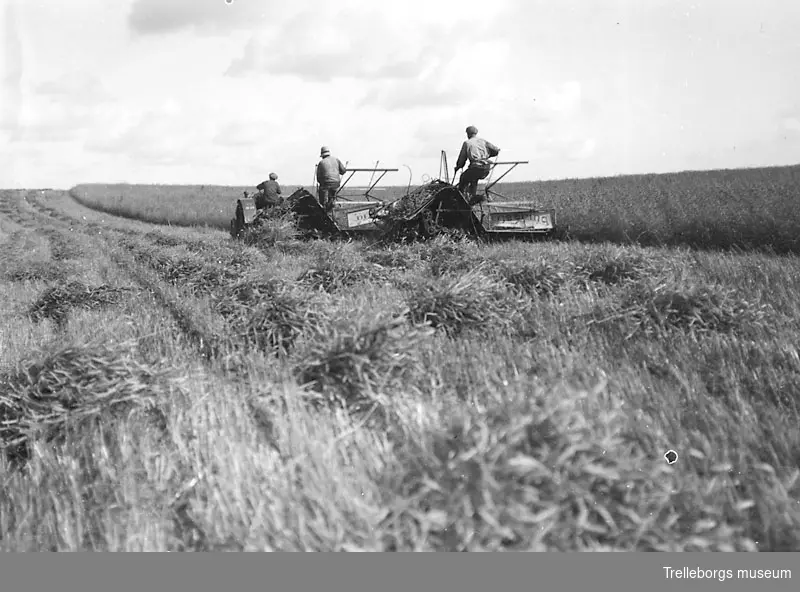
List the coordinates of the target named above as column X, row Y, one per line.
column 31, row 216
column 117, row 232
column 207, row 346
column 137, row 263
column 13, row 212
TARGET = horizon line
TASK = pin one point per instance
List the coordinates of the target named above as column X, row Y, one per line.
column 556, row 179
column 531, row 181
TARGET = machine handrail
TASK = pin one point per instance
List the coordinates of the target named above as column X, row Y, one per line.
column 372, row 170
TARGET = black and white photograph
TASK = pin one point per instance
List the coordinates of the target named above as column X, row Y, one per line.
column 422, row 276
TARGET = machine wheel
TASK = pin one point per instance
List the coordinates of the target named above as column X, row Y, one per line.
column 560, row 232
column 428, row 226
column 237, row 223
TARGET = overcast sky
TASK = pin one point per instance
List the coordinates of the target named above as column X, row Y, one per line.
column 221, row 91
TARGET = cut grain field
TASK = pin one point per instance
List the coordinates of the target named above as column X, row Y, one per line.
column 167, row 388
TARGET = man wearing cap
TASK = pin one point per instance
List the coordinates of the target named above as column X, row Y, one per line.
column 270, row 193
column 478, row 151
column 329, row 176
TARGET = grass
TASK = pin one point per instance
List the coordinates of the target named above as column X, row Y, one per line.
column 445, row 396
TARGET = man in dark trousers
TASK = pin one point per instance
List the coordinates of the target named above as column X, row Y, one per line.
column 270, row 193
column 478, row 151
column 329, row 176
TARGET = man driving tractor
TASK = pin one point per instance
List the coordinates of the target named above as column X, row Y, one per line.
column 269, row 193
column 478, row 151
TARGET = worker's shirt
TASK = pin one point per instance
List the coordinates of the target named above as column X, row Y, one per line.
column 330, row 170
column 478, row 151
column 271, row 191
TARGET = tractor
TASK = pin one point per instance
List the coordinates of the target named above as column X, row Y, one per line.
column 348, row 217
column 434, row 208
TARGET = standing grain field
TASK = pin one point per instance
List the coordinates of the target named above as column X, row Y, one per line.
column 745, row 208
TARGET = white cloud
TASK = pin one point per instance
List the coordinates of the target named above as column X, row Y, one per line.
column 586, row 149
column 321, row 57
column 322, row 53
column 63, row 109
column 240, row 134
column 77, row 85
column 151, row 17
column 566, row 99
column 162, row 135
column 396, row 96
column 363, row 41
column 792, row 124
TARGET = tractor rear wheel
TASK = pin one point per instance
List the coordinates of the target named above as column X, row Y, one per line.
column 237, row 224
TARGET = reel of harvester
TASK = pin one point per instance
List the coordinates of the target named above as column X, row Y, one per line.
column 433, row 209
column 439, row 207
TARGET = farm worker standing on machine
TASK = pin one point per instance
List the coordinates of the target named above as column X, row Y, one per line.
column 329, row 176
column 478, row 151
column 270, row 195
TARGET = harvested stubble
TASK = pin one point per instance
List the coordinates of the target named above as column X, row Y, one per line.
column 244, row 293
column 198, row 246
column 210, row 278
column 177, row 267
column 357, row 365
column 198, row 273
column 614, row 267
column 62, row 246
column 234, row 258
column 162, row 240
column 294, row 247
column 534, row 279
column 337, row 267
column 332, row 279
column 393, row 257
column 68, row 387
column 694, row 309
column 57, row 301
column 268, row 314
column 44, row 271
column 472, row 300
column 22, row 259
column 772, row 380
column 445, row 256
column 496, row 480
